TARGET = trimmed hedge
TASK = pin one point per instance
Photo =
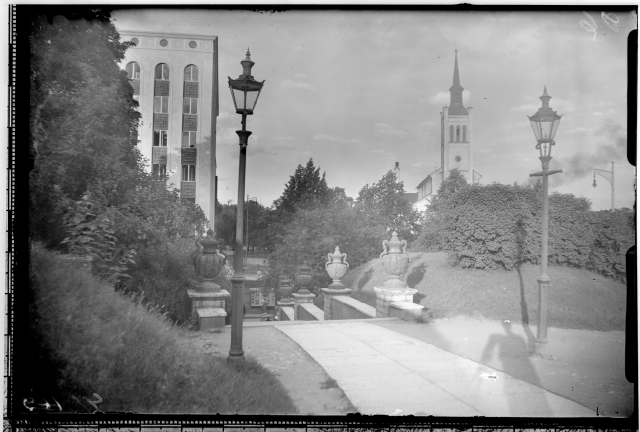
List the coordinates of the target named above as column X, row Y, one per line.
column 498, row 226
column 614, row 235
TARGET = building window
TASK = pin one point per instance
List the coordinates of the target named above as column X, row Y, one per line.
column 451, row 133
column 162, row 71
column 190, row 105
column 464, row 133
column 191, row 73
column 133, row 71
column 161, row 106
column 160, row 138
column 189, row 139
column 188, row 173
column 159, row 170
column 457, row 133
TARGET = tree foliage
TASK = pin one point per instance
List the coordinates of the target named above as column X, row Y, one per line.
column 306, row 189
column 83, row 118
column 89, row 192
column 314, row 233
column 383, row 203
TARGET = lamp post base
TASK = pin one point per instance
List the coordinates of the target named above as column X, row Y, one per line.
column 541, row 350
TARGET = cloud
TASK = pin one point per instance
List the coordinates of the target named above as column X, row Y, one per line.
column 530, row 108
column 612, row 147
column 579, row 130
column 290, row 84
column 282, row 138
column 385, row 129
column 325, row 137
column 299, row 75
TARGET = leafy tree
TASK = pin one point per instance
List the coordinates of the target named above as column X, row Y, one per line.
column 384, row 204
column 82, row 142
column 313, row 233
column 430, row 238
column 83, row 118
column 306, row 188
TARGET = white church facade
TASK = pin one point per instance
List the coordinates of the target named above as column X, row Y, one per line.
column 456, row 144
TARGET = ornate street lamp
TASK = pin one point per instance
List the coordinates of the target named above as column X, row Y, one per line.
column 545, row 124
column 609, row 176
column 244, row 91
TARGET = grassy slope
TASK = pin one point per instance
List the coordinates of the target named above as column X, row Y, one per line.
column 134, row 358
column 578, row 299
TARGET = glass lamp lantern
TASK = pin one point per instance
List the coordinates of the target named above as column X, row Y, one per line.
column 245, row 90
column 545, row 123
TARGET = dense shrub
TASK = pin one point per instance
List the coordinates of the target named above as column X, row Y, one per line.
column 614, row 234
column 489, row 226
column 498, row 226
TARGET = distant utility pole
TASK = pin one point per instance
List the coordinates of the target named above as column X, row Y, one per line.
column 609, row 175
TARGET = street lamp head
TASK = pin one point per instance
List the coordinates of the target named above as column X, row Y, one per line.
column 545, row 122
column 245, row 90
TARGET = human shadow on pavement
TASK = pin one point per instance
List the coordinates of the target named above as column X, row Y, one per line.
column 514, row 356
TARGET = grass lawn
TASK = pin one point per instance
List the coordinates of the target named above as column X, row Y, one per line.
column 578, row 299
column 94, row 340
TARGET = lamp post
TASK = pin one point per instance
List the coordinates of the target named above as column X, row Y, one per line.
column 244, row 91
column 545, row 123
column 609, row 176
column 249, row 199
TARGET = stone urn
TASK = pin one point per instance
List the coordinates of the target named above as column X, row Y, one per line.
column 209, row 263
column 284, row 289
column 394, row 261
column 336, row 267
column 303, row 278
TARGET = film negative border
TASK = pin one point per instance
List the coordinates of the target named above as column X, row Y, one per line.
column 10, row 203
column 356, row 423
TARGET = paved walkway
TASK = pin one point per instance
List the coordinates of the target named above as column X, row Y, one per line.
column 384, row 372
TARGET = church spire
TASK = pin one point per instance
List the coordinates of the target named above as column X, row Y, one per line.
column 456, row 89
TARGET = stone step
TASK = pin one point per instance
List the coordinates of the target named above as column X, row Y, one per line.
column 405, row 310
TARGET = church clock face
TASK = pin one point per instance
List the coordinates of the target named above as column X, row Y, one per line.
column 458, row 158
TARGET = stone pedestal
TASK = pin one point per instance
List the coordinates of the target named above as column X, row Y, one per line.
column 329, row 293
column 385, row 296
column 301, row 297
column 202, row 305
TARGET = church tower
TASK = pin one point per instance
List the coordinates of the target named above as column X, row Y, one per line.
column 456, row 134
column 456, row 144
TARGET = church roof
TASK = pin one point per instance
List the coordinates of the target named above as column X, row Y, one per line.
column 456, row 89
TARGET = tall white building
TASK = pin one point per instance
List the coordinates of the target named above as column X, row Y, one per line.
column 456, row 144
column 175, row 80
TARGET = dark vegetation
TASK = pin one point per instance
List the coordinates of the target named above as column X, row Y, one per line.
column 499, row 226
column 100, row 341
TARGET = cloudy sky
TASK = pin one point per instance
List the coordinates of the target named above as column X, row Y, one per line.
column 360, row 90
